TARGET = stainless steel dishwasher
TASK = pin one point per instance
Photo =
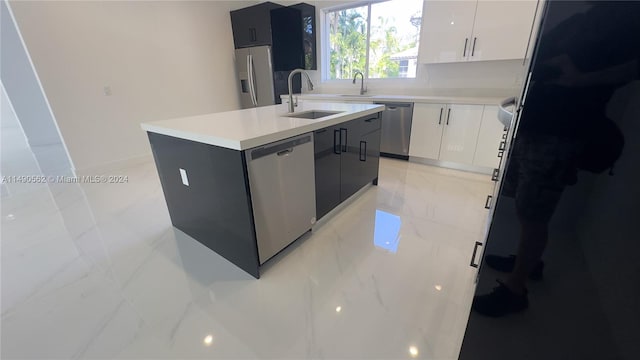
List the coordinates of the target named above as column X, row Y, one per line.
column 396, row 129
column 282, row 184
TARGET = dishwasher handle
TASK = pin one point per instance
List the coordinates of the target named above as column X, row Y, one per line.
column 285, row 152
column 279, row 149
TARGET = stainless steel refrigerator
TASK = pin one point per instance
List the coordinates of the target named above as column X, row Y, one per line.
column 255, row 73
column 577, row 116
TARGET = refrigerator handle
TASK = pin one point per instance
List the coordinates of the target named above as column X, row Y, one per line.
column 252, row 85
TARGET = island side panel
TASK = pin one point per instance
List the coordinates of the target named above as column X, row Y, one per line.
column 215, row 207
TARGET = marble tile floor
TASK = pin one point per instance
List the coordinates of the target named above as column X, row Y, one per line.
column 97, row 271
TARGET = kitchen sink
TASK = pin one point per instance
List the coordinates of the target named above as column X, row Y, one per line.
column 312, row 114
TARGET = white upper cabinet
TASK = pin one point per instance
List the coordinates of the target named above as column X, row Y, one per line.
column 446, row 28
column 478, row 30
column 501, row 29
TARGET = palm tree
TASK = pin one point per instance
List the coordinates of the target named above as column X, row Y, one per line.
column 348, row 39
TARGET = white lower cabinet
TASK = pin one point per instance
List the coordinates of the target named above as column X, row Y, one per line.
column 426, row 130
column 489, row 138
column 461, row 133
column 445, row 132
column 457, row 134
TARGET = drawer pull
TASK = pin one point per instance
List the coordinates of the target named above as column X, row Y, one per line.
column 487, row 204
column 473, row 256
column 495, row 175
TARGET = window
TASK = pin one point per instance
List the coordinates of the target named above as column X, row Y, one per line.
column 404, row 67
column 379, row 38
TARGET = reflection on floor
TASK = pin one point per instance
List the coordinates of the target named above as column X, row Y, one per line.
column 96, row 270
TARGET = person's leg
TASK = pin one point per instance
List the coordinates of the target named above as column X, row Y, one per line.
column 540, row 181
column 533, row 240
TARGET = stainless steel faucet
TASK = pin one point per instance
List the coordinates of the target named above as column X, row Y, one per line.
column 362, row 88
column 292, row 106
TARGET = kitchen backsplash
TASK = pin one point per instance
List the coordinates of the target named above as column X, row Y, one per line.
column 488, row 78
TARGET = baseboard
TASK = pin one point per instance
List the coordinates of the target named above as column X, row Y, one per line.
column 394, row 156
column 452, row 165
column 114, row 167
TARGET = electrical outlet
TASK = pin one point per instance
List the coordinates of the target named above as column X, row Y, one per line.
column 183, row 175
column 107, row 90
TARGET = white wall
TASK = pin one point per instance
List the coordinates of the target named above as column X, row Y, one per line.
column 160, row 59
column 23, row 91
column 16, row 158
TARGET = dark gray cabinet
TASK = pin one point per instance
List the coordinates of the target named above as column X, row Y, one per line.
column 326, row 144
column 290, row 31
column 308, row 13
column 346, row 159
column 286, row 39
column 252, row 26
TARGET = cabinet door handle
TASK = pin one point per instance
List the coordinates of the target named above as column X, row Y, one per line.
column 473, row 48
column 487, row 204
column 344, row 144
column 495, row 174
column 503, row 144
column 464, row 52
column 337, row 138
column 448, row 115
column 371, row 119
column 363, row 154
column 473, row 256
column 440, row 118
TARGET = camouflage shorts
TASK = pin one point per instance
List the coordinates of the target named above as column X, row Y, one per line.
column 540, row 168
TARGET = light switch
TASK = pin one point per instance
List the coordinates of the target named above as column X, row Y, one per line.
column 183, row 175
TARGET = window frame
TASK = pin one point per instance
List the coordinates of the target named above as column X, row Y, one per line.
column 325, row 54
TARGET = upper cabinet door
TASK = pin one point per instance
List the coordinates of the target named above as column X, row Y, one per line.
column 252, row 25
column 460, row 137
column 445, row 34
column 501, row 30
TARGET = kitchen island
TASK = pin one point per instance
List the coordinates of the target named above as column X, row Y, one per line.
column 247, row 183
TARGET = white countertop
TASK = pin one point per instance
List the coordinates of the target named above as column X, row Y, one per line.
column 248, row 128
column 467, row 100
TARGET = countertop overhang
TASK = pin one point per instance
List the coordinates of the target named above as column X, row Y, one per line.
column 249, row 128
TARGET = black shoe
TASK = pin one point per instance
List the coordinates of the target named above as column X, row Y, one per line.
column 507, row 263
column 501, row 301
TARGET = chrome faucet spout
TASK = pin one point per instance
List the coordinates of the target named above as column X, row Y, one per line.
column 362, row 87
column 289, row 82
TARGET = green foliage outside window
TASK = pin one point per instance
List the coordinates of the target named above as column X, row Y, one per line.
column 348, row 39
